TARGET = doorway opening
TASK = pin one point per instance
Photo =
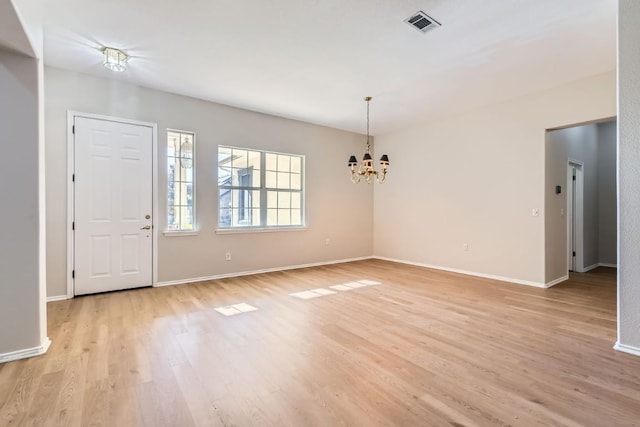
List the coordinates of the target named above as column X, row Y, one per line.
column 580, row 199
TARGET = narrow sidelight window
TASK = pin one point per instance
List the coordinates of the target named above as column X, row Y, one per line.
column 181, row 212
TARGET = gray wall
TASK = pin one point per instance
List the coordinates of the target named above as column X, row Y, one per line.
column 21, row 315
column 336, row 209
column 607, row 201
column 629, row 175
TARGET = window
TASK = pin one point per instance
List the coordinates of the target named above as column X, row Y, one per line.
column 180, row 181
column 259, row 189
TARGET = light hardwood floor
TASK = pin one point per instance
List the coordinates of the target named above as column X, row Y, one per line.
column 423, row 348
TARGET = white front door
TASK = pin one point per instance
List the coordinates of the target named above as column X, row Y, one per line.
column 113, row 239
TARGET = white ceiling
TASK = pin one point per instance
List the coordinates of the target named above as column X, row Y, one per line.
column 315, row 60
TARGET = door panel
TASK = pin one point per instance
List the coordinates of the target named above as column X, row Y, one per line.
column 113, row 197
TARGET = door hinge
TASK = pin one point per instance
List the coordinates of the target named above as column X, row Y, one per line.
column 73, row 129
column 73, row 177
column 73, row 225
column 574, row 253
column 73, row 274
column 574, row 177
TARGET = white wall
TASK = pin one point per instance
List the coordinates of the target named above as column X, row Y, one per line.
column 475, row 179
column 607, row 200
column 336, row 208
column 628, row 176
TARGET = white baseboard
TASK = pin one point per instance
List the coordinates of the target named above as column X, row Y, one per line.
column 605, row 264
column 468, row 273
column 249, row 273
column 596, row 265
column 589, row 268
column 627, row 349
column 57, row 298
column 27, row 352
column 556, row 281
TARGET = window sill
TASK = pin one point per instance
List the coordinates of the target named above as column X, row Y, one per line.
column 258, row 230
column 178, row 233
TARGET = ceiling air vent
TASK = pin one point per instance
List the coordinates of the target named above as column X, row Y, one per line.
column 422, row 22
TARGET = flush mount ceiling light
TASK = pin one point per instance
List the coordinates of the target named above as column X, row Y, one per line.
column 366, row 170
column 114, row 59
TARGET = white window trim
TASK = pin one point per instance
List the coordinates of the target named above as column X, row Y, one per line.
column 180, row 233
column 183, row 232
column 246, row 230
column 265, row 228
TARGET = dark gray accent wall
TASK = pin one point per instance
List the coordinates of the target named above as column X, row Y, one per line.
column 607, row 209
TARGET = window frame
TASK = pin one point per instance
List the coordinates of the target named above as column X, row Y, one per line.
column 181, row 231
column 263, row 189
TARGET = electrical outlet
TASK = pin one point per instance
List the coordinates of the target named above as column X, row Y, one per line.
column 227, row 256
column 327, row 241
column 465, row 247
column 535, row 212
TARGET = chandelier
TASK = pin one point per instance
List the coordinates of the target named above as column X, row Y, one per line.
column 186, row 153
column 366, row 169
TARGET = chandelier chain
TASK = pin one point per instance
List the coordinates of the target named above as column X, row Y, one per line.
column 368, row 99
column 368, row 144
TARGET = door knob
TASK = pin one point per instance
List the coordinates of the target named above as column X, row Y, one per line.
column 146, row 227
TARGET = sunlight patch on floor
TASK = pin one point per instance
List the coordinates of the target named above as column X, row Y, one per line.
column 313, row 293
column 232, row 310
column 354, row 285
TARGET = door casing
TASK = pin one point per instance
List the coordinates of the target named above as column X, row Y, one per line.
column 575, row 214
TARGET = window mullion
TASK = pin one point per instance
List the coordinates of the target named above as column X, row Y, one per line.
column 263, row 190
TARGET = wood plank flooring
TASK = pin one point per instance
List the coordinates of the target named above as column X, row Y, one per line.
column 423, row 348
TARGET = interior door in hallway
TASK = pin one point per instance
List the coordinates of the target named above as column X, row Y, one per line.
column 113, row 188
